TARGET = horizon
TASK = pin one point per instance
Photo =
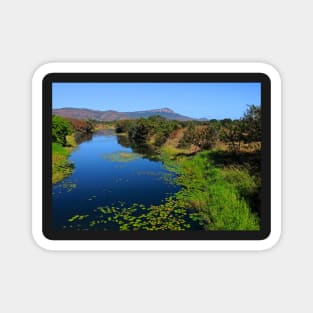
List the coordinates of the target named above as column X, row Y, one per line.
column 195, row 100
column 72, row 108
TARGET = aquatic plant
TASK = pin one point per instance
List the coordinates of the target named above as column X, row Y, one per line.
column 121, row 156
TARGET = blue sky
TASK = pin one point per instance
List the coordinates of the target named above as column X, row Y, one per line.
column 209, row 100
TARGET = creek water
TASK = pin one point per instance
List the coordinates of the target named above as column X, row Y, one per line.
column 107, row 171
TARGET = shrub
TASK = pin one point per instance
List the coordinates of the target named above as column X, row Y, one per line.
column 60, row 129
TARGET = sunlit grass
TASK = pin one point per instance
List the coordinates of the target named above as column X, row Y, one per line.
column 211, row 199
column 61, row 167
column 217, row 195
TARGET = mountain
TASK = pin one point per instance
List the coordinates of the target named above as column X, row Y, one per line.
column 165, row 112
column 115, row 115
column 203, row 119
column 87, row 114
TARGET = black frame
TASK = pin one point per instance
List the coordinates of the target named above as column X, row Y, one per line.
column 157, row 235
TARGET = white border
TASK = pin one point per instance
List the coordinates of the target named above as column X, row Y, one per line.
column 197, row 245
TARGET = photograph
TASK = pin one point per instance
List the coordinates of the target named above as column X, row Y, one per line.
column 156, row 156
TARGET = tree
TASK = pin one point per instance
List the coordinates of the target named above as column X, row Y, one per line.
column 60, row 129
column 252, row 127
column 139, row 131
column 123, row 126
column 232, row 135
column 82, row 126
column 205, row 137
column 225, row 122
column 188, row 137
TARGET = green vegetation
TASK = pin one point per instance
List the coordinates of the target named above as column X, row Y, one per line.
column 103, row 125
column 211, row 198
column 216, row 163
column 60, row 129
column 61, row 167
column 155, row 129
column 234, row 135
column 137, row 217
column 64, row 132
column 217, row 198
column 121, row 156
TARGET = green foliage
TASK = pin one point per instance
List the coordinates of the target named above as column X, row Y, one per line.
column 122, row 126
column 64, row 139
column 246, row 184
column 225, row 122
column 61, row 167
column 246, row 130
column 203, row 136
column 232, row 135
column 252, row 127
column 58, row 149
column 60, row 129
column 188, row 137
column 211, row 198
column 141, row 130
column 216, row 196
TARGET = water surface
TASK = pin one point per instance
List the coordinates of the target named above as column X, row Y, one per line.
column 107, row 172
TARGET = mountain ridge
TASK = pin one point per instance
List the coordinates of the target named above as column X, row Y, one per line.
column 113, row 115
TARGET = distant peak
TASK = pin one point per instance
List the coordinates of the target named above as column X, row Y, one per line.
column 167, row 110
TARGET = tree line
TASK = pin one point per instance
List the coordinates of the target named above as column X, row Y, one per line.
column 62, row 127
column 204, row 135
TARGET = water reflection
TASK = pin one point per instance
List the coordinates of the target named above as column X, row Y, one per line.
column 146, row 150
column 82, row 137
column 108, row 170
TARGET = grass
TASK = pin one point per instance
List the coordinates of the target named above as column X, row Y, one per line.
column 218, row 196
column 70, row 141
column 218, row 192
column 172, row 150
column 211, row 199
column 61, row 167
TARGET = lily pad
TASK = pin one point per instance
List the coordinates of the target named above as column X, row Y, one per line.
column 121, row 156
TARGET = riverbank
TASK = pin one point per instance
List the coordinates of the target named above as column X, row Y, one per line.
column 216, row 196
column 67, row 133
column 111, row 176
column 216, row 193
column 61, row 166
column 219, row 186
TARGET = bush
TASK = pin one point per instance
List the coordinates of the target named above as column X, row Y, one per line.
column 82, row 126
column 139, row 131
column 123, row 126
column 60, row 129
column 202, row 136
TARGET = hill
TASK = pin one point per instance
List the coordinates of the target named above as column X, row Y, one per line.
column 111, row 115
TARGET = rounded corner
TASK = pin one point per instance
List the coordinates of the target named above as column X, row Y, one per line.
column 42, row 71
column 271, row 240
column 270, row 71
column 42, row 240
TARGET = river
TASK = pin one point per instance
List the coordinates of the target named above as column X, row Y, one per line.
column 107, row 171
